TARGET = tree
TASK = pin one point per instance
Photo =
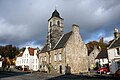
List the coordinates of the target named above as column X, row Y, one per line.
column 9, row 51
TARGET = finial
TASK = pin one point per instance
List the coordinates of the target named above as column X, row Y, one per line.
column 56, row 7
column 116, row 29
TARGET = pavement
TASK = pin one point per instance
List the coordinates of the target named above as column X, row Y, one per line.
column 10, row 75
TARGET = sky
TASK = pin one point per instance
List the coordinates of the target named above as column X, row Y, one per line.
column 25, row 22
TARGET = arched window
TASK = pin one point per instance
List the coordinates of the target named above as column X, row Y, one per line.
column 58, row 22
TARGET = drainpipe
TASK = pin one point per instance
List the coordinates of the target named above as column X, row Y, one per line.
column 65, row 61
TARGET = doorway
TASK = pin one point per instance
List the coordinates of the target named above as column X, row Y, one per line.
column 60, row 68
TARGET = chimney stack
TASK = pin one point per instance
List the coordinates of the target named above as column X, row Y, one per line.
column 75, row 28
column 116, row 33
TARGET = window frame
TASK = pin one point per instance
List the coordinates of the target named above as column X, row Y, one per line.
column 118, row 51
column 55, row 57
column 60, row 56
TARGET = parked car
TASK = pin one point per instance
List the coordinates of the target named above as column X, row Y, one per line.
column 19, row 67
column 103, row 70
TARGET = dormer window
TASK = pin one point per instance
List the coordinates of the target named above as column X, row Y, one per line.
column 118, row 51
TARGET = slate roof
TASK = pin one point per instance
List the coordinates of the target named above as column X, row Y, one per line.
column 60, row 44
column 116, row 43
column 63, row 41
column 102, row 54
column 44, row 49
column 55, row 14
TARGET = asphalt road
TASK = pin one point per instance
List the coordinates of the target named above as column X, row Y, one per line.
column 46, row 76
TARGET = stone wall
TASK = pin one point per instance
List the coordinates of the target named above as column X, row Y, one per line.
column 76, row 52
column 55, row 63
column 74, row 55
column 55, row 30
column 92, row 56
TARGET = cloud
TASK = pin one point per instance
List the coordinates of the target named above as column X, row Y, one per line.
column 12, row 32
column 31, row 44
column 25, row 21
column 109, row 38
column 16, row 34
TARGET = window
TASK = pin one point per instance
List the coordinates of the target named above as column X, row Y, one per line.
column 36, row 61
column 103, row 60
column 27, row 60
column 50, row 24
column 58, row 22
column 118, row 51
column 50, row 59
column 55, row 57
column 40, row 59
column 24, row 61
column 55, row 67
column 36, row 66
column 45, row 58
column 60, row 56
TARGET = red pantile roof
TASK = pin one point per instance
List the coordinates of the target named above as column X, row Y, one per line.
column 31, row 51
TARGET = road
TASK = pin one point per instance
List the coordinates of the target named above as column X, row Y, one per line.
column 46, row 76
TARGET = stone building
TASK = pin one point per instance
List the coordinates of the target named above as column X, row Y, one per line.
column 92, row 56
column 63, row 53
column 114, row 52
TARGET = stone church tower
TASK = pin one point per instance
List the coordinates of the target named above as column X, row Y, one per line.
column 55, row 29
column 63, row 53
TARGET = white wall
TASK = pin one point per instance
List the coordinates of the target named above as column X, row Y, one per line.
column 19, row 61
column 28, row 60
column 35, row 61
column 113, row 58
column 0, row 63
